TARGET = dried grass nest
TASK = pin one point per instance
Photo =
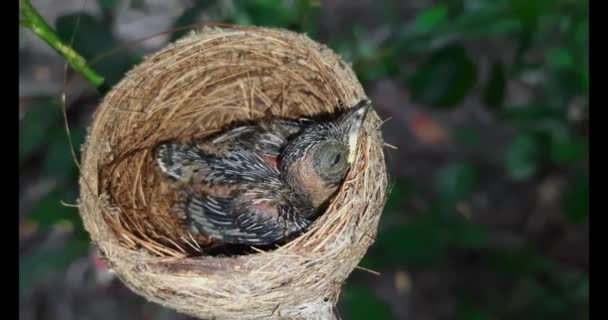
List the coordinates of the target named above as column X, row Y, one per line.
column 190, row 89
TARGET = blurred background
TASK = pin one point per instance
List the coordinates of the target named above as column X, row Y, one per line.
column 485, row 101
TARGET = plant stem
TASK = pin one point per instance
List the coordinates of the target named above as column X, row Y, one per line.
column 31, row 19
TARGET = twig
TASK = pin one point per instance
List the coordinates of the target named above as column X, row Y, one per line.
column 376, row 273
column 31, row 19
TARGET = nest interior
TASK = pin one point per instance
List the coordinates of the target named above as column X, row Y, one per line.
column 196, row 87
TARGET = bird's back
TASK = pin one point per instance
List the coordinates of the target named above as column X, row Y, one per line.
column 235, row 191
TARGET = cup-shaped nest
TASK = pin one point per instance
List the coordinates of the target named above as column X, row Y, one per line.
column 196, row 87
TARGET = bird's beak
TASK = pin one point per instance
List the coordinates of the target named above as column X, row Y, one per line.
column 359, row 111
column 353, row 121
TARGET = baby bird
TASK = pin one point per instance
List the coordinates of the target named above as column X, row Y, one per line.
column 260, row 184
column 263, row 140
column 315, row 161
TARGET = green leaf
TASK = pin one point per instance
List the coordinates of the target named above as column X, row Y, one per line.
column 530, row 11
column 267, row 12
column 568, row 149
column 372, row 262
column 50, row 211
column 494, row 92
column 307, row 15
column 93, row 38
column 530, row 113
column 581, row 40
column 361, row 303
column 47, row 262
column 445, row 78
column 429, row 19
column 580, row 291
column 399, row 194
column 522, row 156
column 189, row 17
column 467, row 136
column 137, row 4
column 575, row 201
column 585, row 81
column 487, row 20
column 108, row 6
column 469, row 311
column 376, row 68
column 559, row 87
column 519, row 261
column 59, row 161
column 343, row 47
column 467, row 235
column 363, row 48
column 420, row 242
column 239, row 18
column 298, row 15
column 560, row 58
column 40, row 115
column 456, row 182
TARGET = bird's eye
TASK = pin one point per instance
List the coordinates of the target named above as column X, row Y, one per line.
column 336, row 159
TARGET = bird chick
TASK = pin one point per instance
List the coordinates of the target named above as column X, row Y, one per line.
column 261, row 184
column 232, row 184
column 314, row 163
column 219, row 158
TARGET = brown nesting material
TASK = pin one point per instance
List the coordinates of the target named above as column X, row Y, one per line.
column 196, row 87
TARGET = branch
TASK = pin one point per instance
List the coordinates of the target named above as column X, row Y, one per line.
column 31, row 19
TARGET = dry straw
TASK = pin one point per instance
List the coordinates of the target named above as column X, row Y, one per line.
column 193, row 88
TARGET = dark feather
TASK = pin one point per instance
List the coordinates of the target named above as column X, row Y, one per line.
column 240, row 221
column 176, row 159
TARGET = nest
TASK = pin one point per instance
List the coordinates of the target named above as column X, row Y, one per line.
column 196, row 87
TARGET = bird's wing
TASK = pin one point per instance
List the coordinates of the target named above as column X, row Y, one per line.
column 273, row 135
column 288, row 127
column 243, row 154
column 238, row 222
column 231, row 165
column 266, row 138
column 178, row 160
column 221, row 144
column 175, row 159
column 233, row 135
column 242, row 166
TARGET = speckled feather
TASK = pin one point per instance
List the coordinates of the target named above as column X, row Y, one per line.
column 262, row 221
column 228, row 155
column 261, row 209
column 271, row 183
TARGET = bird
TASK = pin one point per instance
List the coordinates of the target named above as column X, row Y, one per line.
column 315, row 161
column 262, row 183
column 264, row 138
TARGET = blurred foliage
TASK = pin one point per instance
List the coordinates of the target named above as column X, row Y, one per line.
column 362, row 304
column 576, row 200
column 48, row 261
column 444, row 78
column 37, row 125
column 438, row 55
column 42, row 138
column 471, row 311
column 111, row 67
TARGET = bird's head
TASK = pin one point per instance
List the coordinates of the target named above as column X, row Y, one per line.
column 317, row 160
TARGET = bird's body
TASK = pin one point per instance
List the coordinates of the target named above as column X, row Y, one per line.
column 265, row 138
column 230, row 151
column 262, row 183
column 255, row 216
